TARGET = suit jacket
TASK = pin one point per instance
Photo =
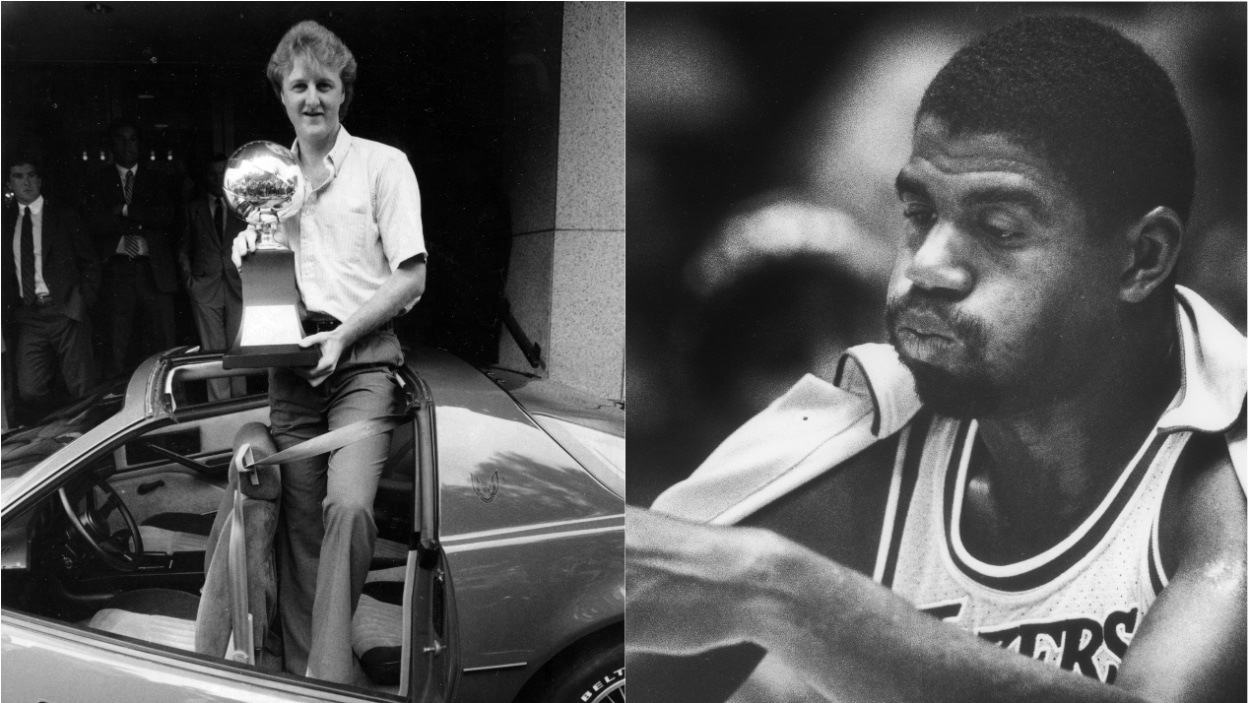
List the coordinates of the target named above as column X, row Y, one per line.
column 203, row 255
column 70, row 266
column 153, row 213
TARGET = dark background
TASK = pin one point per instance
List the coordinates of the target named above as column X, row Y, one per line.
column 763, row 140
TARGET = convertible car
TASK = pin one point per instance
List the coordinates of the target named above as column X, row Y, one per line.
column 497, row 575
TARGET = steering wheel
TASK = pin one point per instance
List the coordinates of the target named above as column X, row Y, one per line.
column 118, row 552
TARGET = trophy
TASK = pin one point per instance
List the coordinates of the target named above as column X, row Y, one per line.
column 264, row 186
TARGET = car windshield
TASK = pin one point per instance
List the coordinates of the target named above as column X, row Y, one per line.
column 24, row 447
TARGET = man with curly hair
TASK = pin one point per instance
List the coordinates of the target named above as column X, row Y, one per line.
column 359, row 261
column 1050, row 455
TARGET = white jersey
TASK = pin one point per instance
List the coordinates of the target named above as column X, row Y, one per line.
column 1076, row 605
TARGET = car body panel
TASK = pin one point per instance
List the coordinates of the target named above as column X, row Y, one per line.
column 558, row 586
column 531, row 538
column 75, row 665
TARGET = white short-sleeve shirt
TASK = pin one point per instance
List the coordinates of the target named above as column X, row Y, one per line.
column 356, row 228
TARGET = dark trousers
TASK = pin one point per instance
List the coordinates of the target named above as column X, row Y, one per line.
column 129, row 288
column 326, row 530
column 50, row 344
column 217, row 320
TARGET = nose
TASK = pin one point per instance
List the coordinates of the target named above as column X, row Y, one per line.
column 939, row 264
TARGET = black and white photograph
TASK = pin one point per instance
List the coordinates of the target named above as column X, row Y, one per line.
column 936, row 352
column 314, row 351
column 319, row 325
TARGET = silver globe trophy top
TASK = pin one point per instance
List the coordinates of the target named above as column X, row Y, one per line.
column 264, row 186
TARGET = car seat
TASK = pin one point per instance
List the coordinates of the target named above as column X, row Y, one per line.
column 181, row 620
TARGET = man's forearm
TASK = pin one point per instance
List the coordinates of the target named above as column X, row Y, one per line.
column 691, row 588
column 855, row 640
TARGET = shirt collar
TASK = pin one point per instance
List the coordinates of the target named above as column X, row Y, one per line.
column 874, row 371
column 36, row 206
column 334, row 159
column 121, row 170
column 1213, row 379
column 1213, row 363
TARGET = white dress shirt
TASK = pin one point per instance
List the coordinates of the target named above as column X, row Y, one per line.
column 356, row 228
column 36, row 220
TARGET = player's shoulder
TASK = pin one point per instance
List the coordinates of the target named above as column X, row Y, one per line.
column 376, row 152
column 1204, row 507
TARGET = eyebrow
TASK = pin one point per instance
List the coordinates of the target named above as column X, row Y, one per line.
column 906, row 184
column 1006, row 195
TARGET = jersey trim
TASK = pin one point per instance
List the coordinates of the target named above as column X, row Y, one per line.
column 1038, row 570
column 902, row 485
column 1158, row 577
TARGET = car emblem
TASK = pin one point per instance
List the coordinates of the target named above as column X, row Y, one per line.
column 486, row 490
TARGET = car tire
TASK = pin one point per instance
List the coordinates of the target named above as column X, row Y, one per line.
column 593, row 676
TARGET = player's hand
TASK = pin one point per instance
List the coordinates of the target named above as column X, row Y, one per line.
column 331, row 350
column 244, row 244
column 691, row 588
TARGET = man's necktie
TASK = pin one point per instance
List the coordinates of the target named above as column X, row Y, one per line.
column 219, row 219
column 128, row 190
column 28, row 258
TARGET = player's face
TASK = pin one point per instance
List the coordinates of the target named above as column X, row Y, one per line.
column 312, row 95
column 24, row 183
column 999, row 292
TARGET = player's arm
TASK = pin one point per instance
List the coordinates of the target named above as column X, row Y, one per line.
column 691, row 588
column 1192, row 644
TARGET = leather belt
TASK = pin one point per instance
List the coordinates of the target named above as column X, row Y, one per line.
column 318, row 322
column 43, row 301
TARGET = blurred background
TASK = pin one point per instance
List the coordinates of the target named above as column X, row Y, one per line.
column 762, row 145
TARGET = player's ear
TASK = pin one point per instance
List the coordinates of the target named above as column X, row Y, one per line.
column 1152, row 246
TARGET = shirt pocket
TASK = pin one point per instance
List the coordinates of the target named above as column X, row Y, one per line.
column 355, row 222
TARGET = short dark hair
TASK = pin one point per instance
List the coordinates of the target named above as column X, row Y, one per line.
column 121, row 123
column 1079, row 94
column 314, row 42
column 19, row 159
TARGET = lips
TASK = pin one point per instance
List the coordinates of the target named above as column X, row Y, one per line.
column 921, row 334
column 924, row 324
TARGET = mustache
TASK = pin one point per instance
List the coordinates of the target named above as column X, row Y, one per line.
column 966, row 328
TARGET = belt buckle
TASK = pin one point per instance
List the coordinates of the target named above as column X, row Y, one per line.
column 43, row 300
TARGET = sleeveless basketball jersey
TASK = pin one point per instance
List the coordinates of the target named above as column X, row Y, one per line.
column 1075, row 605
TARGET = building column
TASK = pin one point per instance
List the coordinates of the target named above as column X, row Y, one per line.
column 566, row 162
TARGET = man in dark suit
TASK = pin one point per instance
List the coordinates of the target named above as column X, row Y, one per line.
column 208, row 274
column 132, row 214
column 51, row 277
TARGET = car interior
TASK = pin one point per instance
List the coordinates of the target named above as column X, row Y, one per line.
column 129, row 542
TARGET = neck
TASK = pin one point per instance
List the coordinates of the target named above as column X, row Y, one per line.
column 312, row 150
column 1062, row 456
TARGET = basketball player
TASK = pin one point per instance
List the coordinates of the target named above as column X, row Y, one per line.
column 1049, row 456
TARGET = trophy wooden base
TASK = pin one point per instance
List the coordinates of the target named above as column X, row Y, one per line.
column 263, row 357
column 270, row 330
